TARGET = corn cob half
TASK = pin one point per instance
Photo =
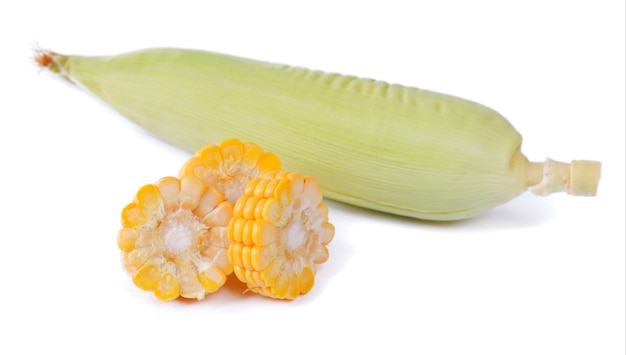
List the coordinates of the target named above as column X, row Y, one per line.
column 386, row 147
column 278, row 234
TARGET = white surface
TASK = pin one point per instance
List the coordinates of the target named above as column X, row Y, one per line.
column 535, row 276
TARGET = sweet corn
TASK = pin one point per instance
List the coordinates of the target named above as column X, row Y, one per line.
column 229, row 166
column 278, row 234
column 386, row 147
column 174, row 238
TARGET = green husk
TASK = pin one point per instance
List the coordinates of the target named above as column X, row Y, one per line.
column 390, row 148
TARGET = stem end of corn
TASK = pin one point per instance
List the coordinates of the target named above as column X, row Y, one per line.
column 578, row 178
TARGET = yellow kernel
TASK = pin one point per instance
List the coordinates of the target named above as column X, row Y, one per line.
column 283, row 192
column 312, row 191
column 126, row 239
column 251, row 153
column 320, row 254
column 248, row 278
column 190, row 286
column 149, row 197
column 235, row 254
column 169, row 188
column 235, row 230
column 271, row 272
column 260, row 257
column 147, row 277
column 281, row 287
column 246, row 257
column 263, row 233
column 211, row 157
column 256, row 277
column 259, row 188
column 272, row 211
column 307, row 279
column 327, row 233
column 271, row 187
column 297, row 183
column 167, row 287
column 248, row 190
column 248, row 208
column 211, row 279
column 136, row 258
column 294, row 286
column 258, row 209
column 191, row 190
column 133, row 216
column 209, row 199
column 218, row 237
column 232, row 150
column 240, row 273
column 220, row 216
column 246, row 233
column 269, row 162
column 194, row 167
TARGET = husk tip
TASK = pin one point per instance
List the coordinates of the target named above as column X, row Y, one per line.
column 42, row 57
column 46, row 59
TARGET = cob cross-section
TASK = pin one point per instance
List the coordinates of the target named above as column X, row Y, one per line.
column 174, row 238
column 229, row 166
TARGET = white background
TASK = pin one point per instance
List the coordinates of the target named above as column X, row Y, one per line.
column 534, row 276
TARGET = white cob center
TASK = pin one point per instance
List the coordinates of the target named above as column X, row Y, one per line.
column 180, row 232
column 296, row 236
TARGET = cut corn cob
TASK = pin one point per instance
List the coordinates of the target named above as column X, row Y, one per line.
column 391, row 148
column 278, row 234
column 174, row 238
column 229, row 166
